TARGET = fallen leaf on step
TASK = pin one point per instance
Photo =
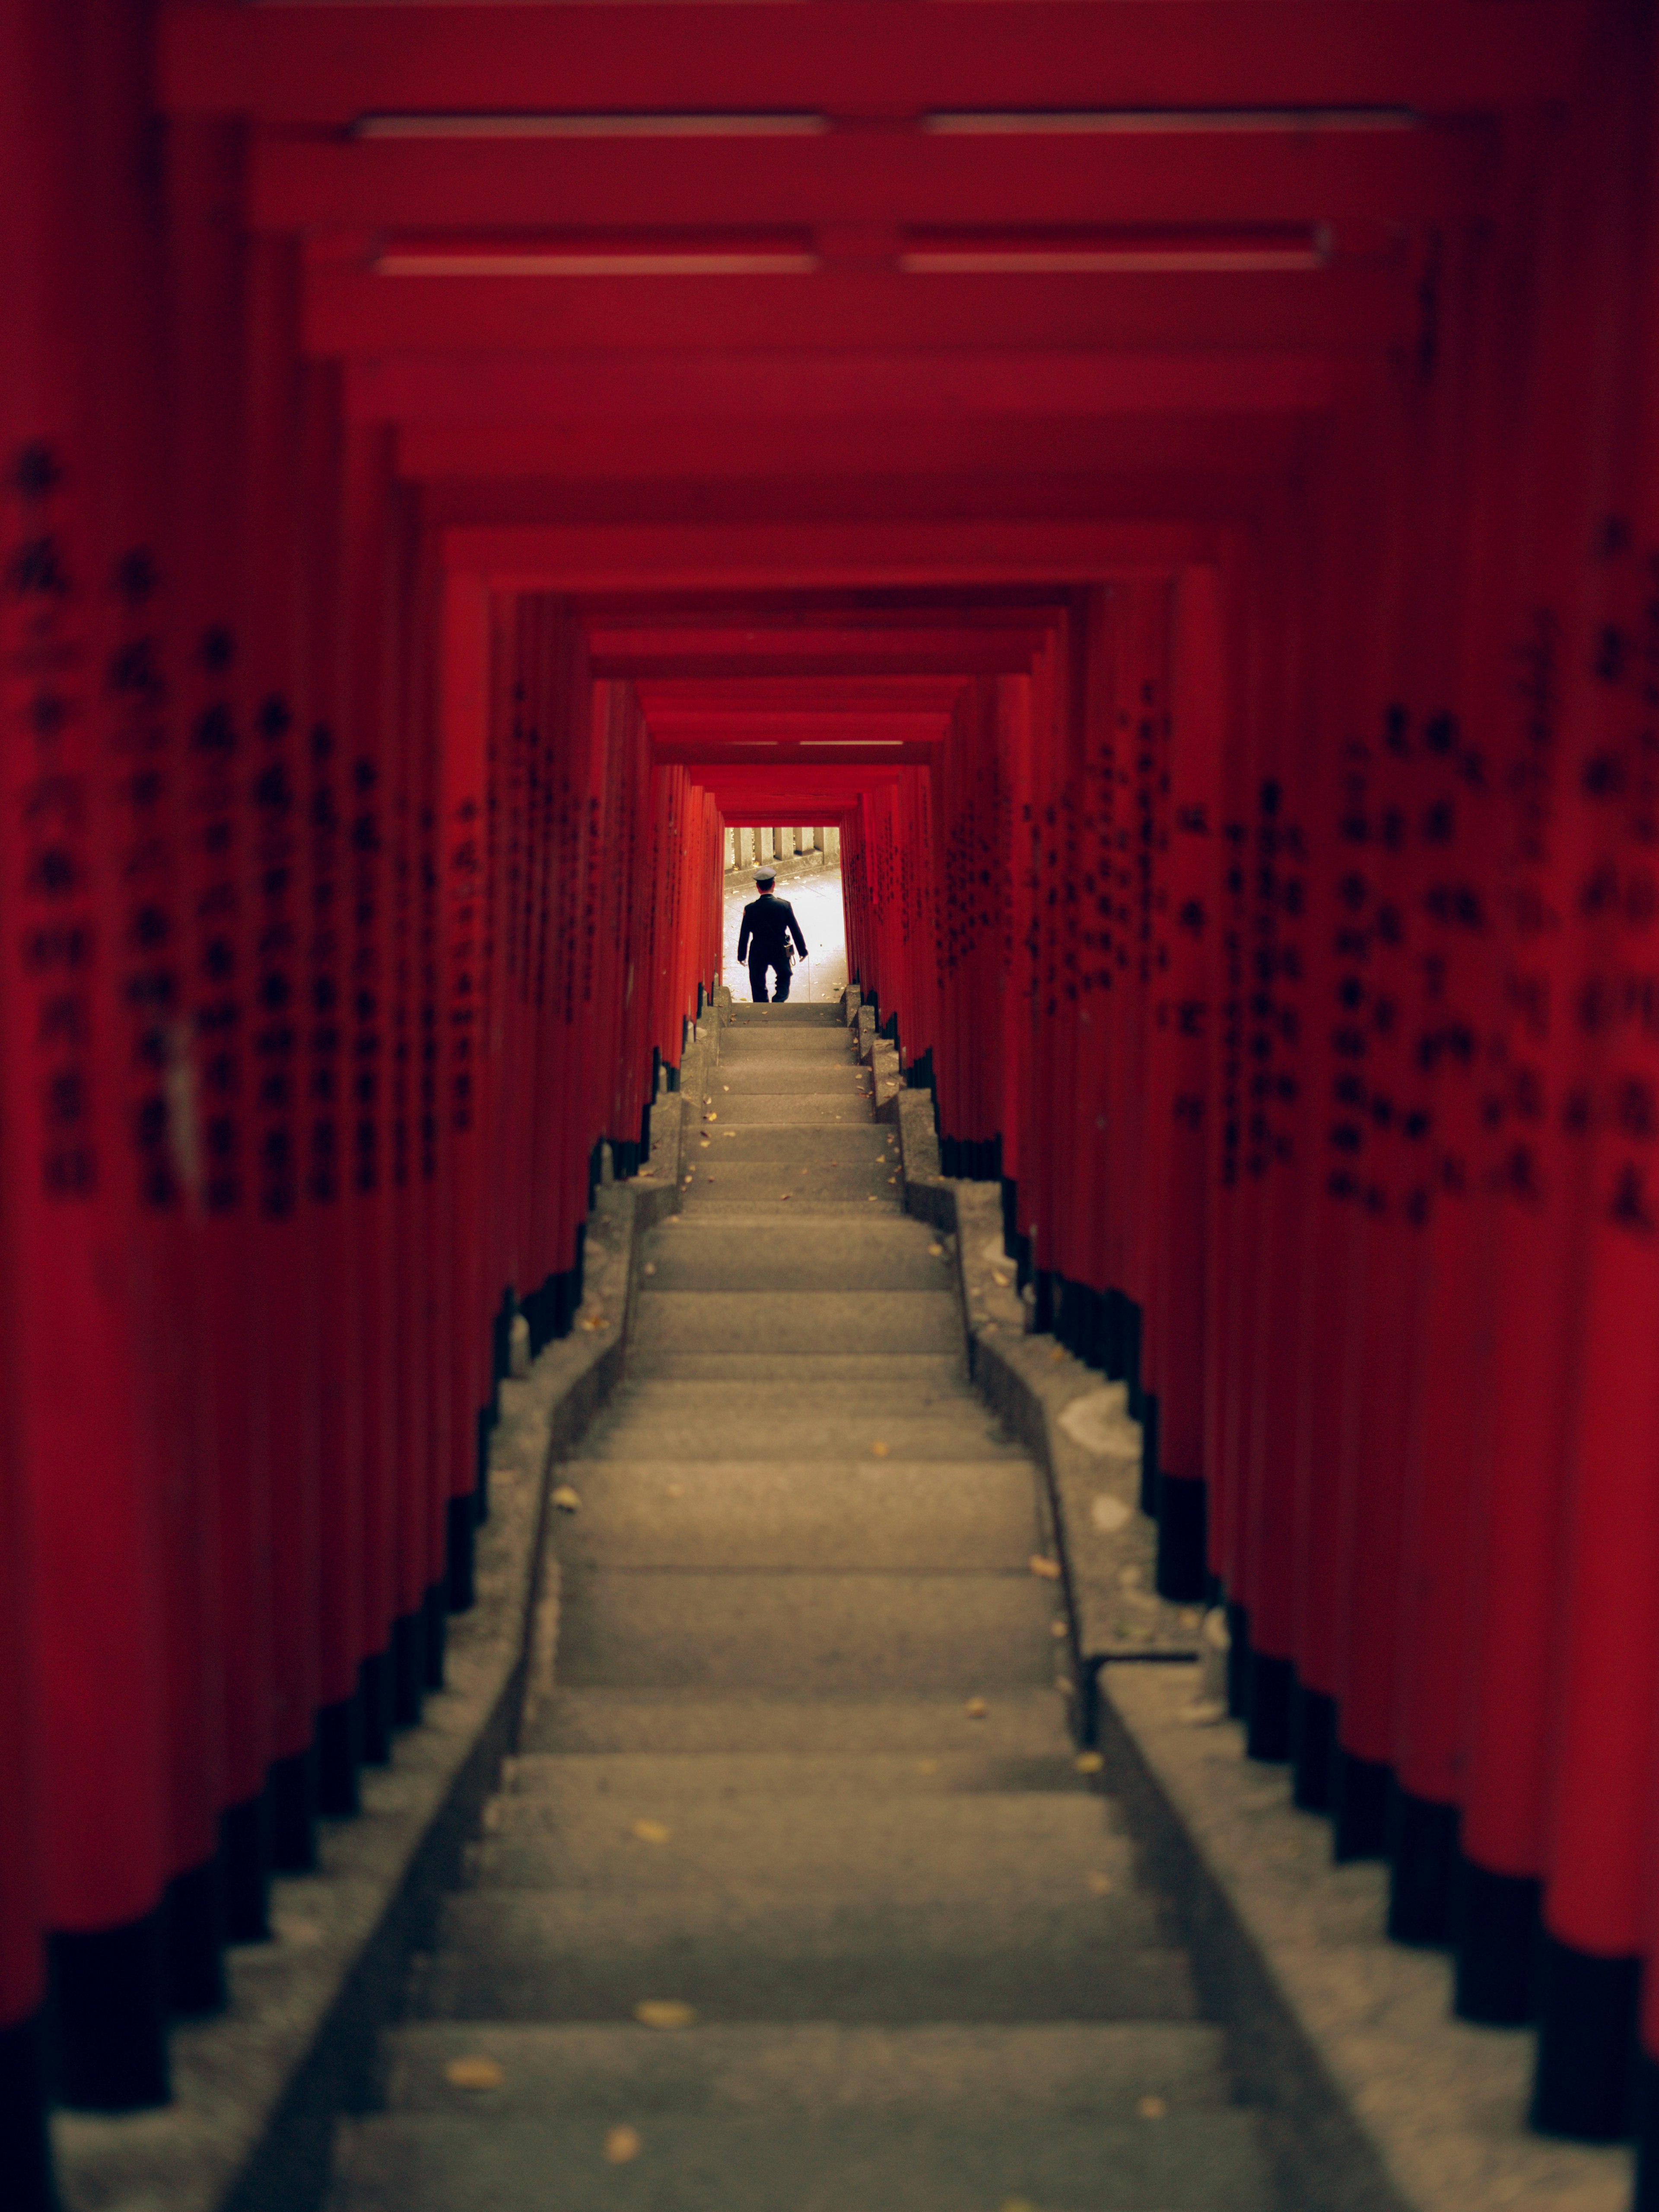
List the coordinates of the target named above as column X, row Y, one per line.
column 726, row 1086
column 936, row 1251
column 1058, row 1354
column 1016, row 2204
column 786, row 1193
column 1057, row 1629
column 650, row 1268
column 567, row 1499
column 1001, row 1281
column 870, row 1199
column 879, row 1450
column 665, row 2012
column 1151, row 2108
column 622, row 2145
column 704, row 1143
column 650, row 1832
column 476, row 2073
column 1088, row 1762
column 1047, row 1570
column 1108, row 1514
column 1100, row 1885
column 711, row 1117
column 976, row 1709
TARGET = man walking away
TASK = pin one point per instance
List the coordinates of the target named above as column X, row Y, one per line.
column 768, row 923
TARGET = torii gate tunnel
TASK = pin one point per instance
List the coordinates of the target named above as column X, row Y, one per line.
column 1177, row 487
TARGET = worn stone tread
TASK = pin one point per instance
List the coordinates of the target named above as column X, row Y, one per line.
column 963, row 1515
column 805, row 1633
column 990, row 1848
column 810, row 2163
column 518, row 1953
column 1017, row 1722
column 952, row 1432
column 677, row 1777
column 797, row 1321
column 885, row 1254
column 837, row 1371
column 617, row 2072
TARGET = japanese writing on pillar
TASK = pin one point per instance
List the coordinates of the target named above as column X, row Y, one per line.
column 465, row 877
column 46, row 737
column 427, row 978
column 325, row 965
column 1232, row 978
column 368, row 975
column 1182, row 1003
column 1348, row 1033
column 1616, row 1006
column 275, row 1037
column 1271, row 1026
column 146, row 870
column 399, row 980
column 217, row 984
column 1451, row 1128
column 1533, row 937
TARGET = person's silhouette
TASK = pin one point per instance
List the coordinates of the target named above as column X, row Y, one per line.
column 768, row 923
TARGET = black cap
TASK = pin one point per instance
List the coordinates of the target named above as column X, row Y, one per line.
column 766, row 876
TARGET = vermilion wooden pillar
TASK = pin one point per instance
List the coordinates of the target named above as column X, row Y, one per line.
column 71, row 1203
column 369, row 701
column 281, row 1362
column 206, row 365
column 1180, row 1100
column 325, row 1134
column 464, row 861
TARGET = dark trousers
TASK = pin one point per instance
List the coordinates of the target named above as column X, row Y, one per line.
column 758, row 964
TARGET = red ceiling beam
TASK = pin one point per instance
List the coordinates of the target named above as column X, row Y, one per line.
column 859, row 57
column 736, row 726
column 531, row 467
column 901, row 176
column 785, row 695
column 1344, row 308
column 834, row 385
column 810, row 556
column 848, row 753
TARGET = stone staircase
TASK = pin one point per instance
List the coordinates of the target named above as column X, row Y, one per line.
column 797, row 1899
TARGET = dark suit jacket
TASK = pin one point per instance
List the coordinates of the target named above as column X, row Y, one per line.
column 768, row 923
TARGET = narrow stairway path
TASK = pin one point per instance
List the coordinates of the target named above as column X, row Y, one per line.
column 797, row 1900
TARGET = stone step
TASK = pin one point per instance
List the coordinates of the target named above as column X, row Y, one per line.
column 880, row 1253
column 738, row 1185
column 676, row 1777
column 749, row 1107
column 856, row 1145
column 948, row 1432
column 794, row 1320
column 792, row 1013
column 1018, row 1723
column 992, row 1849
column 757, row 1042
column 787, row 1954
column 960, row 1516
column 1100, row 2069
column 796, row 1411
column 838, row 1372
column 780, row 1078
column 841, row 2162
column 805, row 1634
